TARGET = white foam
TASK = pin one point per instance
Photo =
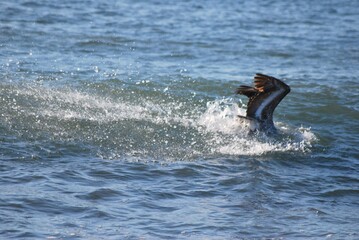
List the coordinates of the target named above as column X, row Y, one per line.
column 221, row 116
column 229, row 136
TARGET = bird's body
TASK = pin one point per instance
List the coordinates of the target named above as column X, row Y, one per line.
column 264, row 97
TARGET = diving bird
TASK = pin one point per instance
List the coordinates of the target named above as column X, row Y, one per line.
column 264, row 97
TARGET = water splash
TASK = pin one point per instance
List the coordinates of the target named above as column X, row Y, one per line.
column 115, row 127
column 229, row 135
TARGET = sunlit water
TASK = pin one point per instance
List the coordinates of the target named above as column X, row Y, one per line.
column 118, row 120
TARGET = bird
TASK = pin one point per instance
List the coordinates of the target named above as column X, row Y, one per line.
column 264, row 97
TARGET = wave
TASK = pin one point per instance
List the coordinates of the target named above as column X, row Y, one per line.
column 114, row 127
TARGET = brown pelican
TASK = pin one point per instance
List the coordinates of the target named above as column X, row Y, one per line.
column 264, row 97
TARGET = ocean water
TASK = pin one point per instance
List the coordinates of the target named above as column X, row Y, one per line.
column 118, row 120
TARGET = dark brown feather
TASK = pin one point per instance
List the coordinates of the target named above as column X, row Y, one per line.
column 265, row 87
column 246, row 90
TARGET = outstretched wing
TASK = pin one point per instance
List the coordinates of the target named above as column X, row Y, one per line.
column 264, row 96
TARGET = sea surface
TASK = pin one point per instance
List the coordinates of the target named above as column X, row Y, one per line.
column 118, row 120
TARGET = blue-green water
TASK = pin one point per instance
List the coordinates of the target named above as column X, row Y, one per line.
column 118, row 120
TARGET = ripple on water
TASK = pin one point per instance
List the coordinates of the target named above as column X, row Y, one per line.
column 124, row 125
